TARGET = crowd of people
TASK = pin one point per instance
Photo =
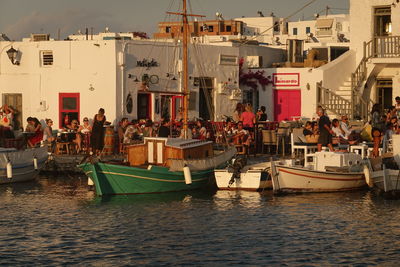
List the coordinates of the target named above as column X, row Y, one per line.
column 238, row 129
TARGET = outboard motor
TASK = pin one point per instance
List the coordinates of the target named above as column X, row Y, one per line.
column 237, row 166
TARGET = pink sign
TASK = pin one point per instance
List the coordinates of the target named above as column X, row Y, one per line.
column 285, row 79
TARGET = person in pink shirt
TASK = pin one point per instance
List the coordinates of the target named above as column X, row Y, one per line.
column 248, row 118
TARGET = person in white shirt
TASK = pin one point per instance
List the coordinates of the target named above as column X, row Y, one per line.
column 344, row 126
column 337, row 130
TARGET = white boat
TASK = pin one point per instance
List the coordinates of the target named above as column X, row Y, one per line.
column 377, row 175
column 255, row 177
column 21, row 165
column 328, row 172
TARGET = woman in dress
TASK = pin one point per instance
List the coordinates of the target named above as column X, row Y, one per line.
column 97, row 138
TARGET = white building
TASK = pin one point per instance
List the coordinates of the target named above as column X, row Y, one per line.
column 128, row 78
column 368, row 73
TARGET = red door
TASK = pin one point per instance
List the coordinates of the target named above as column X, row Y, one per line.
column 69, row 107
column 287, row 103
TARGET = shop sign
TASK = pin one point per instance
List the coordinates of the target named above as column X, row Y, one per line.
column 285, row 79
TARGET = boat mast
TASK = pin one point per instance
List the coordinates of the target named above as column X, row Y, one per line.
column 185, row 68
column 185, row 71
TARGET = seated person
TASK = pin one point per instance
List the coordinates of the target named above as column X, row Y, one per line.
column 203, row 134
column 132, row 132
column 76, row 138
column 241, row 136
column 309, row 133
column 148, row 130
column 164, row 130
column 37, row 129
column 85, row 128
column 123, row 124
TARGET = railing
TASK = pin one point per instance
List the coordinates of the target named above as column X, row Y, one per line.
column 382, row 47
column 333, row 102
column 386, row 47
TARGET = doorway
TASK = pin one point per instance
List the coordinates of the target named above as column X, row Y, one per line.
column 384, row 89
column 382, row 21
column 287, row 104
column 143, row 106
column 14, row 101
column 206, row 105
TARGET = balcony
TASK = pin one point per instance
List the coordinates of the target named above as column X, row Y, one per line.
column 383, row 49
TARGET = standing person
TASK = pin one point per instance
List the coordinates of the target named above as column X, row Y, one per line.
column 48, row 132
column 238, row 112
column 97, row 137
column 84, row 131
column 34, row 140
column 325, row 131
column 248, row 118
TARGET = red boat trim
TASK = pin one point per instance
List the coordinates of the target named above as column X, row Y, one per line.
column 323, row 178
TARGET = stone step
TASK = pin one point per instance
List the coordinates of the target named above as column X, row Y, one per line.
column 344, row 88
column 345, row 94
column 347, row 83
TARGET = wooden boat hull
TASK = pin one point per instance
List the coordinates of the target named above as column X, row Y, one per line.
column 292, row 179
column 23, row 168
column 110, row 179
column 251, row 180
column 387, row 180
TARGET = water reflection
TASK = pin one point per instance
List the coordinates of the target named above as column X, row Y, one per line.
column 59, row 221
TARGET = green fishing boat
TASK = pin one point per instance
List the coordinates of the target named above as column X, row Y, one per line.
column 158, row 165
column 162, row 164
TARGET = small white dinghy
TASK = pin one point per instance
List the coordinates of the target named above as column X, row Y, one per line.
column 21, row 165
column 239, row 176
column 386, row 178
column 322, row 172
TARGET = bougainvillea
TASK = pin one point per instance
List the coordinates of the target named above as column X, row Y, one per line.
column 251, row 79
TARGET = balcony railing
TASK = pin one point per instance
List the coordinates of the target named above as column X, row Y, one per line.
column 383, row 47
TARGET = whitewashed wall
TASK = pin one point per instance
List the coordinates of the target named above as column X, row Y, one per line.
column 77, row 66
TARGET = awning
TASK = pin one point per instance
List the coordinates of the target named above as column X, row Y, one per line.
column 324, row 23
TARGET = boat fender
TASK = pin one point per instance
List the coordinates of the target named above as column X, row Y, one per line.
column 187, row 174
column 90, row 181
column 35, row 163
column 9, row 170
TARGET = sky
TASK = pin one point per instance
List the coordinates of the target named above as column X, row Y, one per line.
column 20, row 18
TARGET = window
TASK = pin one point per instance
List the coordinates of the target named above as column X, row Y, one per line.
column 228, row 28
column 210, row 28
column 276, row 26
column 68, row 108
column 168, row 29
column 47, row 58
column 308, row 29
column 294, row 31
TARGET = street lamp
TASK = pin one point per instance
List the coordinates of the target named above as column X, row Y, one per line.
column 12, row 55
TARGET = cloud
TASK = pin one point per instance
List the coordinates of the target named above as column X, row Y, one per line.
column 68, row 22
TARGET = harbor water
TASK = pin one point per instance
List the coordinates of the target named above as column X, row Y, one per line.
column 59, row 221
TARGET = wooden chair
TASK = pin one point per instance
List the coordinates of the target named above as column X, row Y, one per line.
column 268, row 139
column 298, row 143
column 282, row 134
column 62, row 148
